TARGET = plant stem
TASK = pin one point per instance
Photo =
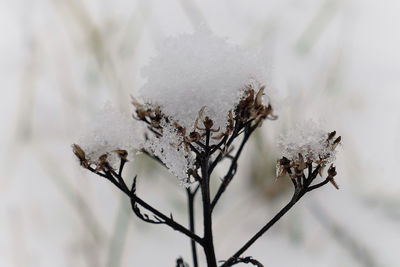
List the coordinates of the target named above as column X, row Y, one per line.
column 232, row 169
column 120, row 184
column 276, row 218
column 208, row 243
column 191, row 196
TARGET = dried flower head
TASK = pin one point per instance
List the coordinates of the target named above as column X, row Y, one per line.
column 188, row 103
column 307, row 147
column 309, row 141
column 81, row 155
column 216, row 76
column 109, row 138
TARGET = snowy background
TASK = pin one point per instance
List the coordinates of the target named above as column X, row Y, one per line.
column 333, row 60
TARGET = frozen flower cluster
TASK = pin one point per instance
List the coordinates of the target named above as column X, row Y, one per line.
column 307, row 147
column 198, row 83
column 310, row 141
column 110, row 133
column 200, row 92
column 203, row 97
column 191, row 71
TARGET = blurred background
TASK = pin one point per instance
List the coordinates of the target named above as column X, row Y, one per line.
column 332, row 60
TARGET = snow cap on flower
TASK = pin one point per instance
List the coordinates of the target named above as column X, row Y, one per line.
column 110, row 136
column 311, row 142
column 191, row 71
column 199, row 83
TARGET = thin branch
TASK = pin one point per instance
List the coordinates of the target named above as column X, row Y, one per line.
column 318, row 185
column 217, row 146
column 147, row 153
column 247, row 260
column 167, row 220
column 300, row 191
column 135, row 199
column 238, row 126
column 208, row 244
column 181, row 263
column 200, row 144
column 196, row 189
column 232, row 169
column 121, row 166
column 194, row 150
column 190, row 196
column 260, row 233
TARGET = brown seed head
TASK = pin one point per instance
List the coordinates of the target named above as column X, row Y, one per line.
column 331, row 135
column 285, row 162
column 80, row 154
column 208, row 123
column 123, row 154
column 194, row 136
column 336, row 142
column 332, row 171
column 331, row 174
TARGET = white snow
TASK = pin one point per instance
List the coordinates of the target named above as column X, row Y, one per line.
column 308, row 139
column 192, row 71
column 195, row 70
column 111, row 130
column 170, row 149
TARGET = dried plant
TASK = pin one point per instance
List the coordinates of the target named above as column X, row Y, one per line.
column 192, row 149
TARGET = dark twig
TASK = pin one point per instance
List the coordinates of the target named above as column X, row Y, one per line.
column 159, row 217
column 276, row 218
column 244, row 118
column 318, row 185
column 208, row 244
column 190, row 196
column 299, row 192
column 232, row 169
column 153, row 157
column 247, row 260
column 167, row 220
column 181, row 263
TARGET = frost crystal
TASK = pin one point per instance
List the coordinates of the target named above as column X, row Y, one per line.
column 110, row 131
column 309, row 140
column 195, row 70
column 170, row 150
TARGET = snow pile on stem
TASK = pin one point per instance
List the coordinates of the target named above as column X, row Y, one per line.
column 196, row 70
column 111, row 130
column 309, row 140
column 169, row 149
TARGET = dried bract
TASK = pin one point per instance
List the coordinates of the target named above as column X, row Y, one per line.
column 252, row 108
column 80, row 154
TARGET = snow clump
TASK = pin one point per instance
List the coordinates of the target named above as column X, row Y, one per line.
column 192, row 73
column 111, row 130
column 309, row 140
column 169, row 149
column 195, row 70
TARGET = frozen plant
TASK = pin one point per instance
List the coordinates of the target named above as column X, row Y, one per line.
column 202, row 96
